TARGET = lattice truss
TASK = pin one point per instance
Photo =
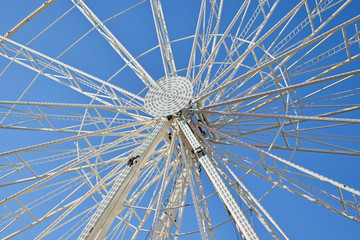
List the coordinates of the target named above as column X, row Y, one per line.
column 193, row 122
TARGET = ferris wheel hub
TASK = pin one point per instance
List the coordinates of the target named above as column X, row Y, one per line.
column 168, row 96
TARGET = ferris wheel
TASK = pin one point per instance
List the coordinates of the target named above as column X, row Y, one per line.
column 188, row 119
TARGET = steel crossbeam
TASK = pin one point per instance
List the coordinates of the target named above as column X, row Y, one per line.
column 228, row 199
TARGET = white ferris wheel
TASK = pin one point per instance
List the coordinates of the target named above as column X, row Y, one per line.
column 149, row 119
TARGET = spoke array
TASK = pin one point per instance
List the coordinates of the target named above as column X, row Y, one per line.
column 272, row 111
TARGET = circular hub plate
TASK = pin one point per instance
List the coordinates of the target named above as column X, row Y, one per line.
column 169, row 96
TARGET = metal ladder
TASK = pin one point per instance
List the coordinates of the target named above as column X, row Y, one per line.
column 119, row 180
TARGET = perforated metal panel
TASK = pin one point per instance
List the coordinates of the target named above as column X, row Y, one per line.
column 168, row 96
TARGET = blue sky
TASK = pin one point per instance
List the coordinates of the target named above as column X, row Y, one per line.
column 135, row 29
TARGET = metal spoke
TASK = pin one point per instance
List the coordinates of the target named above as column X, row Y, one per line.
column 277, row 59
column 288, row 117
column 309, row 192
column 18, row 115
column 163, row 37
column 50, row 68
column 115, row 43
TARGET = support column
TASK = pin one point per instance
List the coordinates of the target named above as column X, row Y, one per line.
column 224, row 193
column 110, row 206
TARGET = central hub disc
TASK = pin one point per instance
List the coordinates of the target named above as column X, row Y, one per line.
column 168, row 96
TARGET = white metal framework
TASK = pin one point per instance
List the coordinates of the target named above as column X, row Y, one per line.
column 206, row 119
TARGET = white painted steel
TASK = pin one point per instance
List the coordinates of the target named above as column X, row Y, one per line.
column 168, row 96
column 248, row 92
column 105, row 214
column 242, row 222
